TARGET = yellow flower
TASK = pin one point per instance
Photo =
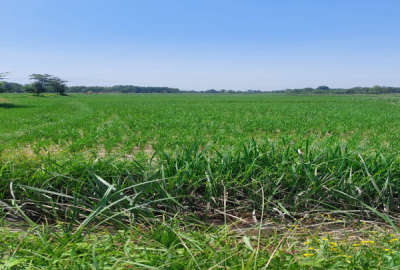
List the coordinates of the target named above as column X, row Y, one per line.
column 324, row 239
column 307, row 242
column 366, row 242
column 308, row 254
column 393, row 240
column 356, row 245
column 333, row 244
column 387, row 249
column 310, row 248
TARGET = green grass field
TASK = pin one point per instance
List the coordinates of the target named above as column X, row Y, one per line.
column 190, row 181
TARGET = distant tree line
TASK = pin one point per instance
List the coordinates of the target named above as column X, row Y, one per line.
column 338, row 91
column 42, row 83
column 122, row 89
column 45, row 83
column 147, row 89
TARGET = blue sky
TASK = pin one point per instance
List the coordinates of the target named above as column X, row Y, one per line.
column 203, row 44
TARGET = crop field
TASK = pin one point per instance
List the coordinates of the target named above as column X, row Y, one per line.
column 197, row 181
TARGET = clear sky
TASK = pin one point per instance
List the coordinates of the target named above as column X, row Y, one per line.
column 203, row 44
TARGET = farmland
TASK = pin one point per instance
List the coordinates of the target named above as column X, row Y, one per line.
column 172, row 173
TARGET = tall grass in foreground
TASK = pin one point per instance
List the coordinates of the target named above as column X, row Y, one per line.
column 278, row 179
column 177, row 247
column 186, row 177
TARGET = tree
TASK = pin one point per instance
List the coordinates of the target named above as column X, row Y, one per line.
column 58, row 85
column 323, row 87
column 3, row 75
column 40, row 84
column 2, row 84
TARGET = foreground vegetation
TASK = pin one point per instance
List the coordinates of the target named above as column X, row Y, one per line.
column 176, row 245
column 113, row 162
column 170, row 246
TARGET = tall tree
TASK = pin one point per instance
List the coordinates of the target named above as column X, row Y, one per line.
column 40, row 84
column 58, row 85
column 3, row 75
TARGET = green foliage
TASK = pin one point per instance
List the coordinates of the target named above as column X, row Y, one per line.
column 340, row 91
column 57, row 85
column 121, row 89
column 49, row 83
column 10, row 87
column 3, row 87
column 194, row 148
column 182, row 246
column 40, row 83
column 3, row 75
column 159, row 166
column 46, row 83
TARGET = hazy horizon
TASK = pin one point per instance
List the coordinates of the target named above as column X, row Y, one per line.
column 261, row 45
